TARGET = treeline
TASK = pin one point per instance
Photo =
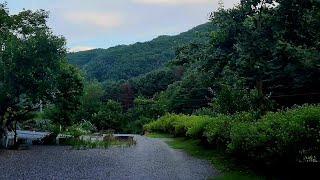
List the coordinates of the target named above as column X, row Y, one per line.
column 242, row 89
column 257, row 57
column 34, row 71
column 262, row 56
column 129, row 61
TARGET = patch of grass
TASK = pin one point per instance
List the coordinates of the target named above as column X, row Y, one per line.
column 80, row 144
column 220, row 161
column 159, row 135
column 238, row 176
column 193, row 148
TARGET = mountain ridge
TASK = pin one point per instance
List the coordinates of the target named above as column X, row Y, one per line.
column 123, row 62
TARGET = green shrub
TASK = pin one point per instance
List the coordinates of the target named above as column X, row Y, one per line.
column 136, row 127
column 88, row 126
column 179, row 125
column 170, row 123
column 206, row 111
column 217, row 131
column 245, row 117
column 110, row 117
column 161, row 125
column 78, row 130
column 196, row 126
column 280, row 137
column 244, row 136
column 231, row 100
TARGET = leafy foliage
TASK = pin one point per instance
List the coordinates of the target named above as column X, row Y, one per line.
column 154, row 82
column 128, row 61
column 33, row 68
column 90, row 101
column 217, row 131
column 255, row 57
column 179, row 125
column 284, row 137
column 67, row 99
column 109, row 117
column 144, row 111
column 242, row 68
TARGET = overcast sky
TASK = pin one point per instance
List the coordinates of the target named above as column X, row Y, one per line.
column 88, row 24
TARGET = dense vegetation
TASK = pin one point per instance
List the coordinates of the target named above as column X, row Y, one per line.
column 33, row 70
column 238, row 83
column 264, row 56
column 289, row 136
column 253, row 63
column 247, row 59
column 128, row 61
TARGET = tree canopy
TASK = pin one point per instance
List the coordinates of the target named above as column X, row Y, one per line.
column 33, row 66
column 257, row 56
column 129, row 61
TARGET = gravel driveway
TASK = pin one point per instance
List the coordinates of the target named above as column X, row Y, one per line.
column 149, row 159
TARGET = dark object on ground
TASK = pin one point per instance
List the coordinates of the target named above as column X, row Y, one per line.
column 48, row 140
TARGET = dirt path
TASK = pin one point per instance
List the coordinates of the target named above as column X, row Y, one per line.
column 149, row 159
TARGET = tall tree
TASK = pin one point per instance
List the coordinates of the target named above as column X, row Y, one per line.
column 32, row 61
column 67, row 97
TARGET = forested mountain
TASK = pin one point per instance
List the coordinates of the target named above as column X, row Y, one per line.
column 245, row 85
column 128, row 61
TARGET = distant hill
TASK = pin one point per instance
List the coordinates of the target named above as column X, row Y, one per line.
column 128, row 61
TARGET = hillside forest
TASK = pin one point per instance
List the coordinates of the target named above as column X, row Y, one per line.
column 245, row 83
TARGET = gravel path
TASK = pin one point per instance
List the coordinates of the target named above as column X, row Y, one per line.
column 149, row 159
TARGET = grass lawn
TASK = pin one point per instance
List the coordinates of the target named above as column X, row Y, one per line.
column 220, row 161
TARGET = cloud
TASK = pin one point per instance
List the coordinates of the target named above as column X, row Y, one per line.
column 105, row 23
column 80, row 48
column 172, row 2
column 94, row 19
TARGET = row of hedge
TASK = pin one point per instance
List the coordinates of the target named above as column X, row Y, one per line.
column 289, row 136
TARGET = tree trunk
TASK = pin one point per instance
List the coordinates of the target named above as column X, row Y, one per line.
column 15, row 135
column 1, row 127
